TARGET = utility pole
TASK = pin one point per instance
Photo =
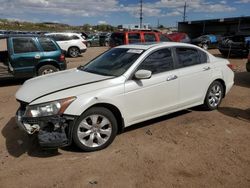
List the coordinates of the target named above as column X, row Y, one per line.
column 141, row 14
column 184, row 14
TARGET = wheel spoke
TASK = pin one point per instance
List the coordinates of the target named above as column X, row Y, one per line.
column 104, row 122
column 100, row 139
column 84, row 124
column 84, row 134
column 90, row 141
column 106, row 132
column 94, row 119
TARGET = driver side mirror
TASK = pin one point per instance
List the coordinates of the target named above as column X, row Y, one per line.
column 143, row 74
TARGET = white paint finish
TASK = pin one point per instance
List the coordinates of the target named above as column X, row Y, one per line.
column 149, row 97
column 42, row 85
column 137, row 100
column 65, row 45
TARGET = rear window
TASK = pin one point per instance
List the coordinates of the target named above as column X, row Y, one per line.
column 117, row 39
column 149, row 37
column 187, row 57
column 163, row 38
column 47, row 45
column 134, row 38
column 24, row 45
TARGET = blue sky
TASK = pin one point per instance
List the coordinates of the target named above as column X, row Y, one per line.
column 116, row 12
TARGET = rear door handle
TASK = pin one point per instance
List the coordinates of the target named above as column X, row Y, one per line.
column 206, row 68
column 172, row 77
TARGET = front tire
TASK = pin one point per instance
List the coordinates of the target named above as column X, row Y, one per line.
column 214, row 96
column 95, row 129
column 46, row 69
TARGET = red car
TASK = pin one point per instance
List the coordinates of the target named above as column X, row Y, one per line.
column 179, row 37
column 130, row 37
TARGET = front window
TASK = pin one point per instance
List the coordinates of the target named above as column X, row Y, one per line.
column 114, row 62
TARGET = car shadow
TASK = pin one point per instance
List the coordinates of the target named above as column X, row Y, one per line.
column 18, row 142
column 156, row 120
column 74, row 148
column 242, row 79
column 11, row 82
column 243, row 115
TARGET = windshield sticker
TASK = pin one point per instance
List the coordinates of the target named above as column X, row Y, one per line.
column 135, row 51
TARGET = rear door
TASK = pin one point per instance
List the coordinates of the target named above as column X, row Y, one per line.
column 25, row 54
column 194, row 74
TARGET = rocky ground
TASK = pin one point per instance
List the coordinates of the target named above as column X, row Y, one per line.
column 191, row 148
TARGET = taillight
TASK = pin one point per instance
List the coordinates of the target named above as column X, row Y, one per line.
column 231, row 66
column 62, row 57
column 84, row 42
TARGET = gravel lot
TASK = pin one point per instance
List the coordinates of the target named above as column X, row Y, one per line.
column 191, row 148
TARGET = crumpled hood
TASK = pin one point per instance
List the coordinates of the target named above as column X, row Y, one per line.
column 43, row 85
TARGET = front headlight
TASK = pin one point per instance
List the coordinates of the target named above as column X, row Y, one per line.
column 48, row 109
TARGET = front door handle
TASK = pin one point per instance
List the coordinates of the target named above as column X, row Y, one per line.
column 37, row 56
column 172, row 77
column 206, row 68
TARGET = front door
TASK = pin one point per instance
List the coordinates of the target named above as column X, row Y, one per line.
column 147, row 98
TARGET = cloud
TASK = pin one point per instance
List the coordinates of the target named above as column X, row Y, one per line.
column 100, row 8
column 242, row 1
column 102, row 22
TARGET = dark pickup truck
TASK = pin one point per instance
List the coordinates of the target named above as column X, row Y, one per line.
column 29, row 56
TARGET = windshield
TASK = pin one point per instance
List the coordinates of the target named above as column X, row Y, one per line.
column 114, row 62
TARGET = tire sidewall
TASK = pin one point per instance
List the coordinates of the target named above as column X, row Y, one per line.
column 43, row 68
column 100, row 111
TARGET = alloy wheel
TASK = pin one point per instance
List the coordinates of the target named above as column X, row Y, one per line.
column 94, row 130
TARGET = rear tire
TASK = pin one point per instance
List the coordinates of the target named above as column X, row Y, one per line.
column 46, row 69
column 214, row 96
column 95, row 129
column 73, row 52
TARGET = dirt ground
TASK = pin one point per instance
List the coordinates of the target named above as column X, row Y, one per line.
column 191, row 148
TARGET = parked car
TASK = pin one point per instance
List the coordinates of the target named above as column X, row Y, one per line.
column 72, row 43
column 130, row 37
column 96, row 40
column 125, row 85
column 248, row 63
column 237, row 45
column 179, row 37
column 23, row 56
column 205, row 41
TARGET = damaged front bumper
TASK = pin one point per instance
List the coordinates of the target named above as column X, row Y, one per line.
column 52, row 131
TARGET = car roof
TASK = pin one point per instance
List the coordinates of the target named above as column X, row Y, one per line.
column 62, row 33
column 146, row 46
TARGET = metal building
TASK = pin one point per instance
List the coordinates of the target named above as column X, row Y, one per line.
column 222, row 26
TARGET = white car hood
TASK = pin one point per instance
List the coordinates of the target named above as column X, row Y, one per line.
column 43, row 85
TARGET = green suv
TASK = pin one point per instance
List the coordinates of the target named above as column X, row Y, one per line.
column 28, row 56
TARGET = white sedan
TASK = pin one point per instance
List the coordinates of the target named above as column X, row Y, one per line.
column 125, row 85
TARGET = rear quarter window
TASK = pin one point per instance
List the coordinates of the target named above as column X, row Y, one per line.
column 47, row 45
